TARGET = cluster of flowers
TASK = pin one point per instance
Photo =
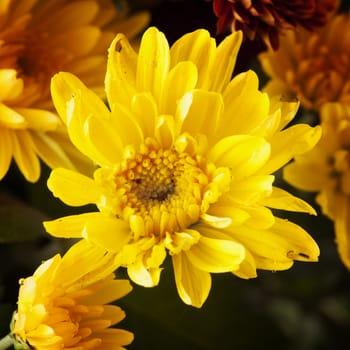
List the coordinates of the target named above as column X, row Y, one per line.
column 177, row 155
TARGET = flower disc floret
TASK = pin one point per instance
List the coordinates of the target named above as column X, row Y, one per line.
column 161, row 191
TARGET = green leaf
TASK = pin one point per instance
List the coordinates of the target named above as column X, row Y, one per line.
column 18, row 221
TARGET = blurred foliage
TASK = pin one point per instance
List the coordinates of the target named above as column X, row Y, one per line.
column 306, row 307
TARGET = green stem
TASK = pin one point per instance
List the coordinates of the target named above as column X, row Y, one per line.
column 6, row 342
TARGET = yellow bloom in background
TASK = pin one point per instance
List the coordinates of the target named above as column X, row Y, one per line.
column 185, row 159
column 326, row 170
column 314, row 66
column 64, row 304
column 37, row 39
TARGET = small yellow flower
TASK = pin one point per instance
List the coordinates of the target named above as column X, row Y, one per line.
column 37, row 39
column 63, row 305
column 185, row 158
column 314, row 66
column 326, row 170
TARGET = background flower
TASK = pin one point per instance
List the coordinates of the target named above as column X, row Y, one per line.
column 267, row 19
column 179, row 173
column 330, row 160
column 38, row 39
column 313, row 66
column 64, row 304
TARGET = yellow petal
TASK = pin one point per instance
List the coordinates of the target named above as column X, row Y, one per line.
column 9, row 118
column 225, row 59
column 79, row 126
column 302, row 175
column 199, row 48
column 108, row 292
column 228, row 209
column 81, row 41
column 165, row 131
column 105, row 143
column 143, row 276
column 10, row 86
column 216, row 221
column 193, row 285
column 259, row 217
column 288, row 143
column 43, row 331
column 66, row 16
column 114, row 338
column 175, row 86
column 145, row 112
column 181, row 241
column 121, row 71
column 281, row 243
column 251, row 190
column 107, row 232
column 95, row 264
column 247, row 268
column 266, row 263
column 27, row 291
column 281, row 199
column 153, row 62
column 69, row 226
column 246, row 108
column 39, row 119
column 25, row 155
column 126, row 126
column 243, row 154
column 51, row 152
column 215, row 255
column 64, row 87
column 73, row 188
column 200, row 111
column 156, row 257
column 302, row 246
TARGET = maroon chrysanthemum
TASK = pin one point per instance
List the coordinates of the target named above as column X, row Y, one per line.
column 265, row 19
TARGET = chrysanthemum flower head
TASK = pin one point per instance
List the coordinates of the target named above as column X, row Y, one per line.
column 37, row 39
column 64, row 304
column 326, row 170
column 312, row 66
column 185, row 159
column 267, row 19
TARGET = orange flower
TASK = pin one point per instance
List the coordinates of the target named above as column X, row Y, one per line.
column 312, row 66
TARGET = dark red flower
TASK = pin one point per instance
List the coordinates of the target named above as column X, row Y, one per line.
column 265, row 19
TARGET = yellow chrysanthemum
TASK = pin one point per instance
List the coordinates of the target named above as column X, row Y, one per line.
column 326, row 170
column 63, row 305
column 37, row 39
column 185, row 156
column 314, row 66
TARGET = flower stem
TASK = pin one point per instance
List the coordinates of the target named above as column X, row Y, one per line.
column 6, row 342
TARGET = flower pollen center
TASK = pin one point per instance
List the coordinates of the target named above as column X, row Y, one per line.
column 160, row 191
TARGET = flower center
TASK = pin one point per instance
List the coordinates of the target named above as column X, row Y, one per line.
column 35, row 58
column 163, row 191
